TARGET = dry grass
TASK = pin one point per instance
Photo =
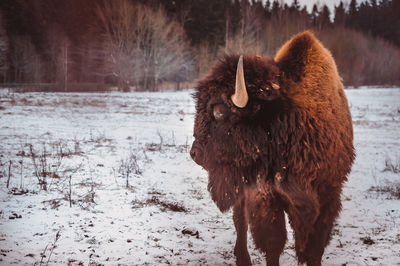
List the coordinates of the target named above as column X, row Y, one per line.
column 164, row 205
column 390, row 189
column 392, row 167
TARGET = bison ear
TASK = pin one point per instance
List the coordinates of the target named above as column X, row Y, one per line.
column 304, row 56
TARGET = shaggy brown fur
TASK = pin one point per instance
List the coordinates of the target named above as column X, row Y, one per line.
column 289, row 150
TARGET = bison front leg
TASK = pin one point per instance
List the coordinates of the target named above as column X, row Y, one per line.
column 241, row 224
column 302, row 208
column 321, row 234
column 267, row 224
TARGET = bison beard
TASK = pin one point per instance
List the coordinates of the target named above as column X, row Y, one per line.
column 276, row 136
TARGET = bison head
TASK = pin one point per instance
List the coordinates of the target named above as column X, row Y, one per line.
column 231, row 105
column 235, row 103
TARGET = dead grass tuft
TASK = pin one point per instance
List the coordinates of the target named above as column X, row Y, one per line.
column 367, row 240
column 165, row 206
column 391, row 189
column 392, row 167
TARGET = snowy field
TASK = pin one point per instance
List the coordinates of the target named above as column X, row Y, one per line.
column 106, row 179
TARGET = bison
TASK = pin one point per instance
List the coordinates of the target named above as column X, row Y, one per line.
column 276, row 136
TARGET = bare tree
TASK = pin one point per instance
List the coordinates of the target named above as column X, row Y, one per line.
column 118, row 28
column 248, row 39
column 169, row 50
column 143, row 46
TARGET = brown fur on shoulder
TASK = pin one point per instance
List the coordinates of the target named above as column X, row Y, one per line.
column 311, row 72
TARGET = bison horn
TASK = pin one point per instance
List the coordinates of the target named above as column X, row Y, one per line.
column 240, row 98
column 275, row 86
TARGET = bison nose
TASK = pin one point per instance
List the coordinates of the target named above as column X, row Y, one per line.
column 196, row 153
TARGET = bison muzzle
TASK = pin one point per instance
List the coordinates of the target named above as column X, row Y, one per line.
column 275, row 136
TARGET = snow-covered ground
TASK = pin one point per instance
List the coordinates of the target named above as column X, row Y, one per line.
column 88, row 143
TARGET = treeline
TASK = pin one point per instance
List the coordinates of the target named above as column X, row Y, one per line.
column 92, row 45
column 145, row 44
column 377, row 19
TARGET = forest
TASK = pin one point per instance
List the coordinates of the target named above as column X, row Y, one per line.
column 96, row 45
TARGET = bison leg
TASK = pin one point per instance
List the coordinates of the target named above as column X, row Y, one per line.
column 302, row 209
column 267, row 224
column 320, row 236
column 301, row 229
column 241, row 224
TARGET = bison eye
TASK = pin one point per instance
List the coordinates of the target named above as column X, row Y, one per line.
column 220, row 112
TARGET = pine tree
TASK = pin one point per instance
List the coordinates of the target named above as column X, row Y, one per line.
column 314, row 15
column 276, row 7
column 324, row 17
column 295, row 5
column 268, row 5
column 340, row 14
